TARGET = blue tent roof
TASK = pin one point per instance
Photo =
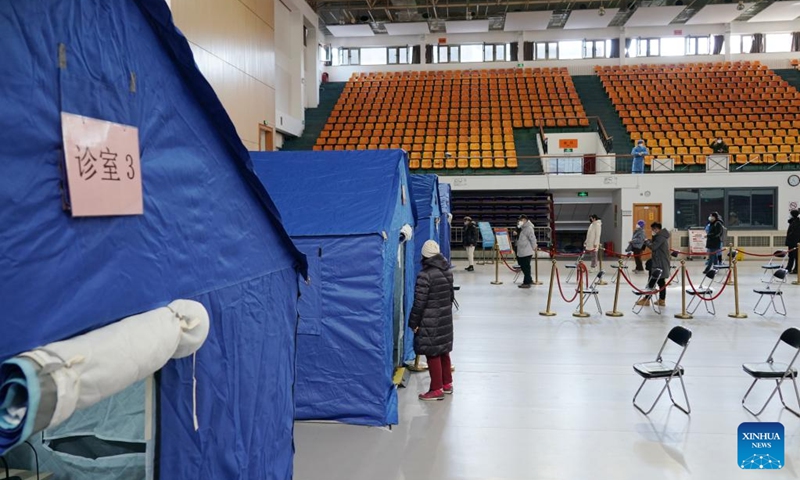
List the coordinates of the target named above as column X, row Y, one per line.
column 425, row 192
column 359, row 181
column 206, row 216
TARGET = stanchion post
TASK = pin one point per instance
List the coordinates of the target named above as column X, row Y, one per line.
column 418, row 367
column 536, row 266
column 497, row 265
column 736, row 314
column 731, row 256
column 615, row 312
column 600, row 265
column 548, row 312
column 683, row 315
column 580, row 313
column 796, row 252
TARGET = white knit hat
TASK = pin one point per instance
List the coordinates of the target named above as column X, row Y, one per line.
column 429, row 249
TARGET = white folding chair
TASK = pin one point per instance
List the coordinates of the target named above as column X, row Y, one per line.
column 592, row 291
column 661, row 369
column 772, row 291
column 703, row 293
column 648, row 294
column 772, row 370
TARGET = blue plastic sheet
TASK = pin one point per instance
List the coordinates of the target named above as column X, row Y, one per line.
column 345, row 211
column 209, row 229
column 444, row 224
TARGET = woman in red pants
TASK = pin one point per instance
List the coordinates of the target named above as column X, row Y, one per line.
column 432, row 320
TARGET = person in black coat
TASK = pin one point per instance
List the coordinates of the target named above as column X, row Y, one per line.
column 470, row 241
column 431, row 320
column 713, row 240
column 792, row 239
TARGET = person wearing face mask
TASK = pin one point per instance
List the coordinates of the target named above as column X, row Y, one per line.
column 713, row 240
column 636, row 245
column 659, row 245
column 638, row 152
column 470, row 241
column 792, row 239
column 526, row 246
column 592, row 243
column 719, row 146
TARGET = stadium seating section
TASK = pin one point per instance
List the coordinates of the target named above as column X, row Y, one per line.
column 679, row 109
column 451, row 119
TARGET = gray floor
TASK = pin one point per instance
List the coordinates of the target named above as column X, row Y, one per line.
column 550, row 398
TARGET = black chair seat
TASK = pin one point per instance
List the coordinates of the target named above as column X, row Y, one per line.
column 655, row 369
column 722, row 266
column 591, row 291
column 648, row 292
column 571, row 266
column 767, row 370
column 770, row 267
column 624, row 267
column 516, row 268
column 706, row 291
column 456, row 287
column 768, row 292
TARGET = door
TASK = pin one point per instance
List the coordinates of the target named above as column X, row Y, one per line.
column 649, row 212
column 266, row 138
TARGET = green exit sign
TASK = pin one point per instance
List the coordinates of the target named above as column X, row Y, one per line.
column 583, row 194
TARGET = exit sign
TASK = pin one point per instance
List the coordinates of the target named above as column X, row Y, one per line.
column 583, row 194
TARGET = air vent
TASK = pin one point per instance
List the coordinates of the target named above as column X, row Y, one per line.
column 684, row 242
column 778, row 241
column 753, row 241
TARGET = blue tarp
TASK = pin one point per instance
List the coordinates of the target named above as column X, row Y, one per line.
column 345, row 211
column 445, row 223
column 206, row 220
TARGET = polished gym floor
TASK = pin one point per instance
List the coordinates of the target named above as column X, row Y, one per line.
column 549, row 398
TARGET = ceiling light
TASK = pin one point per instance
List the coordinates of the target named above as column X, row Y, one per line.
column 740, row 6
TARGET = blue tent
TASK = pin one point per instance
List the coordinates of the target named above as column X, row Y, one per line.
column 206, row 219
column 345, row 211
column 444, row 224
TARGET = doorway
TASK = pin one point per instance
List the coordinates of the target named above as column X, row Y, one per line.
column 649, row 212
column 266, row 138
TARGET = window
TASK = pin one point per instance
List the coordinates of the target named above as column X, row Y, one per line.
column 570, row 49
column 546, row 51
column 596, row 48
column 673, row 46
column 373, row 56
column 741, row 43
column 739, row 207
column 399, row 55
column 698, row 46
column 778, row 42
column 496, row 52
column 647, row 47
column 471, row 53
column 345, row 56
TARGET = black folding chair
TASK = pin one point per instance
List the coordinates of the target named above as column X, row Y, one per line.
column 771, row 370
column 665, row 370
column 574, row 268
column 624, row 266
column 703, row 293
column 646, row 296
column 772, row 291
column 777, row 261
column 592, row 291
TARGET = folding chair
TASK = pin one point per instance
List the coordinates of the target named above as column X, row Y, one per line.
column 771, row 370
column 703, row 293
column 625, row 262
column 574, row 268
column 777, row 261
column 592, row 291
column 665, row 370
column 777, row 280
column 517, row 272
column 648, row 293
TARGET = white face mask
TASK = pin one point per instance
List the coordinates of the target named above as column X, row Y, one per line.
column 710, row 218
column 519, row 224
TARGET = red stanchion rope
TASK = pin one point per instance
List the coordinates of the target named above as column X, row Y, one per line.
column 649, row 292
column 785, row 252
column 506, row 263
column 710, row 299
column 561, row 291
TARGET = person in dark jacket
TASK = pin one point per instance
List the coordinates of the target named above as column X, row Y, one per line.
column 470, row 240
column 636, row 245
column 713, row 240
column 792, row 239
column 432, row 320
column 659, row 246
column 718, row 146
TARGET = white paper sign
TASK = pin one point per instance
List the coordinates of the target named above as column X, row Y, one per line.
column 104, row 175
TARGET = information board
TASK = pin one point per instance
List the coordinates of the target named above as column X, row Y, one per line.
column 487, row 236
column 697, row 240
column 503, row 241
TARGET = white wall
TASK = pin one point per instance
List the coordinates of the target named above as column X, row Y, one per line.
column 627, row 189
column 576, row 67
column 291, row 61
